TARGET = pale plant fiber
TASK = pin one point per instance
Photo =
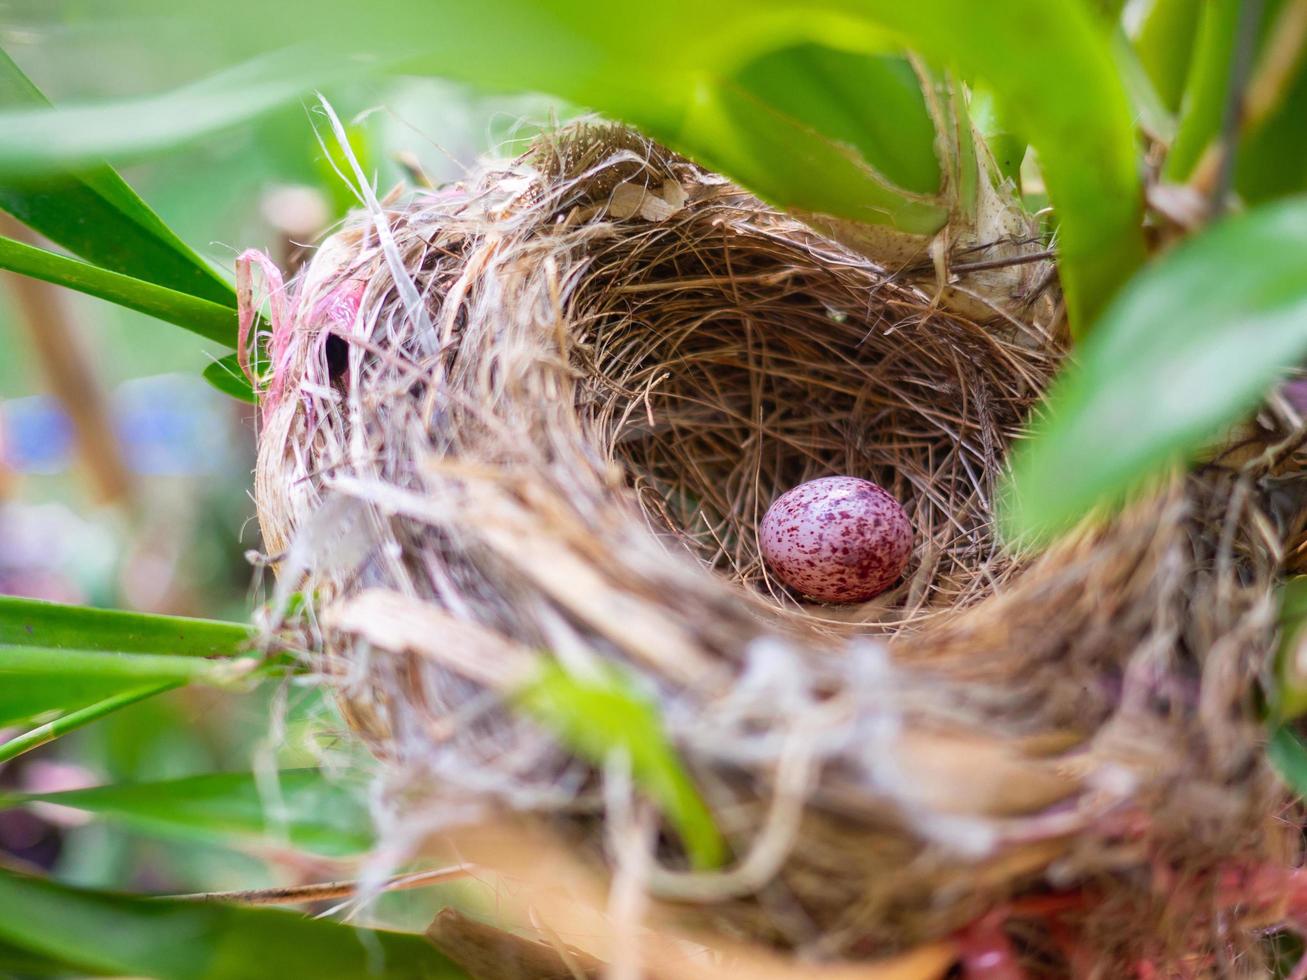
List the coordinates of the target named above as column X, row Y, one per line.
column 620, row 361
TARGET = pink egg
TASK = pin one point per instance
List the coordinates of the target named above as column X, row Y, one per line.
column 837, row 539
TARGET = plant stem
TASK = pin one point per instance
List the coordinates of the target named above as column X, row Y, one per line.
column 64, row 724
column 328, row 889
column 70, row 373
column 201, row 316
column 1250, row 18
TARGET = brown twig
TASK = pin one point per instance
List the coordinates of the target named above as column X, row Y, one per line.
column 43, row 314
column 327, row 890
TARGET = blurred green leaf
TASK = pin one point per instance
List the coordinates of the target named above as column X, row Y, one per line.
column 226, row 375
column 1289, row 698
column 1007, row 148
column 1165, row 45
column 872, row 103
column 39, row 140
column 1155, row 118
column 87, row 663
column 208, row 319
column 1206, row 87
column 708, row 95
column 732, row 129
column 1293, row 601
column 599, row 716
column 72, row 720
column 1065, row 95
column 1289, row 757
column 169, row 939
column 96, row 215
column 32, row 622
column 1186, row 349
column 15, row 962
column 1272, row 159
column 300, row 806
column 34, row 680
column 1108, row 10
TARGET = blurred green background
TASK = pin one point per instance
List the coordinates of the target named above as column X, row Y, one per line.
column 173, row 537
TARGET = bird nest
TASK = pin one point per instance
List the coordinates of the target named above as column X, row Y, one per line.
column 535, row 418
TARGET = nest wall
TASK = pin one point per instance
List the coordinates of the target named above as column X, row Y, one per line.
column 540, row 414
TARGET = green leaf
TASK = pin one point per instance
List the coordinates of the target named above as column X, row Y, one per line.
column 226, row 375
column 733, row 128
column 1289, row 757
column 1007, row 148
column 599, row 716
column 96, row 215
column 169, row 939
column 700, row 95
column 872, row 103
column 71, row 721
column 208, row 319
column 15, row 962
column 300, row 806
column 1289, row 697
column 1065, row 95
column 66, row 137
column 1293, row 601
column 1205, row 88
column 1191, row 345
column 87, row 663
column 1153, row 114
column 1272, row 159
column 35, row 680
column 1165, row 45
column 31, row 622
column 1108, row 10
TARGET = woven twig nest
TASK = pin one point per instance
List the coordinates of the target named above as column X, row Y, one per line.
column 539, row 415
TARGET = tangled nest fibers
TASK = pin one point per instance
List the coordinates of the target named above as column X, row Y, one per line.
column 539, row 414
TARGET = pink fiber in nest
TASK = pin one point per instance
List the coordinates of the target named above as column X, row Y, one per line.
column 341, row 305
column 338, row 308
column 247, row 311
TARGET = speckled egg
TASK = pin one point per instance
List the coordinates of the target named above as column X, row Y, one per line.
column 837, row 539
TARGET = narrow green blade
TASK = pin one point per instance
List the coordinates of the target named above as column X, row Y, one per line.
column 168, row 939
column 1186, row 350
column 1288, row 698
column 36, row 680
column 31, row 622
column 1272, row 159
column 72, row 137
column 299, row 806
column 1165, row 44
column 226, row 375
column 15, row 962
column 1206, row 87
column 597, row 717
column 201, row 316
column 70, row 721
column 96, row 215
column 1289, row 757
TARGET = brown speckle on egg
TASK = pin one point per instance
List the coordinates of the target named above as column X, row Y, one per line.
column 836, row 539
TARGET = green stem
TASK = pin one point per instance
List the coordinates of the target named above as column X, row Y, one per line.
column 1166, row 43
column 201, row 316
column 64, row 724
column 1205, row 89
